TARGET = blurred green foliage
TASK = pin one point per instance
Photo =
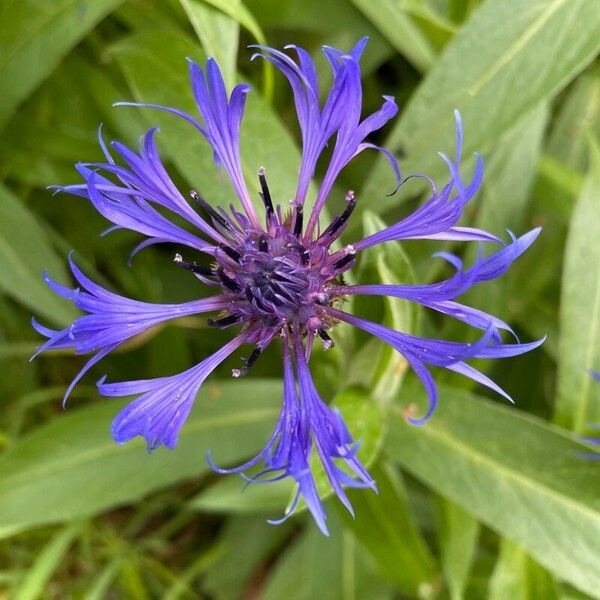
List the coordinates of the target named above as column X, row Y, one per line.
column 486, row 501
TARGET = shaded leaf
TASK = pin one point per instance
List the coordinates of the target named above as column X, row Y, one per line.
column 25, row 252
column 34, row 36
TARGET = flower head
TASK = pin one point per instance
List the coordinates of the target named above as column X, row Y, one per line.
column 277, row 275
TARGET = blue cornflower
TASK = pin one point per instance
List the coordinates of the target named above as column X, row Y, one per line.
column 278, row 275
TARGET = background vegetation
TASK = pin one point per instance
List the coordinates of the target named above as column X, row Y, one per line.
column 487, row 500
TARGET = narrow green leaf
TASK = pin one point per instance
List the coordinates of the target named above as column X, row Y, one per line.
column 578, row 396
column 517, row 577
column 458, row 533
column 237, row 12
column 376, row 365
column 493, row 79
column 246, row 543
column 218, row 34
column 400, row 30
column 333, row 568
column 521, row 477
column 49, row 559
column 385, row 528
column 71, row 467
column 34, row 37
column 25, row 257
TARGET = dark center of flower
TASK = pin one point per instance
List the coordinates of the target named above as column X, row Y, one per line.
column 274, row 278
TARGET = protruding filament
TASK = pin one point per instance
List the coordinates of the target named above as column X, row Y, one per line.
column 193, row 267
column 299, row 218
column 248, row 363
column 346, row 260
column 233, row 254
column 224, row 322
column 327, row 341
column 229, row 283
column 266, row 194
column 333, row 229
column 263, row 245
column 220, row 219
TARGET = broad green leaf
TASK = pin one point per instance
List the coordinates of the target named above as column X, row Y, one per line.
column 25, row 252
column 521, row 477
column 218, row 34
column 34, row 36
column 49, row 559
column 155, row 68
column 385, row 527
column 493, row 79
column 458, row 533
column 578, row 396
column 400, row 30
column 315, row 566
column 71, row 467
column 517, row 577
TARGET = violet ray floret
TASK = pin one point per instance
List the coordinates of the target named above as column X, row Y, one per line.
column 281, row 280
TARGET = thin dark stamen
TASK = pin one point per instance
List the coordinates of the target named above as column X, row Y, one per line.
column 224, row 322
column 340, row 264
column 220, row 219
column 298, row 221
column 193, row 267
column 229, row 283
column 233, row 254
column 263, row 245
column 248, row 364
column 327, row 341
column 342, row 219
column 266, row 194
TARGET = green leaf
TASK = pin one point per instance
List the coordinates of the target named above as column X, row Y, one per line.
column 315, row 566
column 155, row 69
column 34, row 37
column 517, row 577
column 218, row 34
column 25, row 252
column 518, row 475
column 49, row 559
column 493, row 79
column 246, row 543
column 400, row 30
column 458, row 533
column 71, row 467
column 578, row 118
column 385, row 527
column 578, row 396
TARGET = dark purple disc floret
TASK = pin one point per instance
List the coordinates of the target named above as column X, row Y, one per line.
column 277, row 273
